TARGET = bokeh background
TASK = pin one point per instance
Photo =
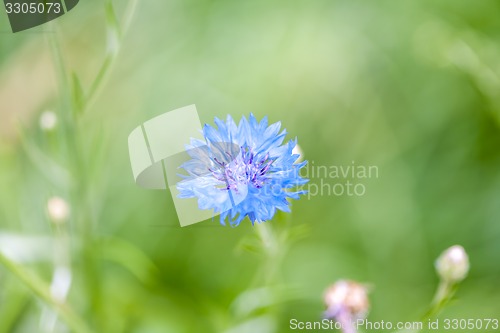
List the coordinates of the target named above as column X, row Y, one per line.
column 412, row 87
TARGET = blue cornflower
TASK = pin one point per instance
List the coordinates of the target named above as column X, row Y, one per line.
column 242, row 170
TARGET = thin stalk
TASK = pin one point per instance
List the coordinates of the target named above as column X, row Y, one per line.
column 81, row 201
column 41, row 289
column 274, row 246
column 117, row 34
column 443, row 295
column 79, row 198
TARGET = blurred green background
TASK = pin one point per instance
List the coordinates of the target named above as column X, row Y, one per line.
column 412, row 87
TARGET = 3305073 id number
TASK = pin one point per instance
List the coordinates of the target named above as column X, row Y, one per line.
column 33, row 8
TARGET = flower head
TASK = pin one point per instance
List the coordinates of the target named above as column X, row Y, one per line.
column 453, row 264
column 58, row 209
column 242, row 170
column 48, row 120
column 347, row 298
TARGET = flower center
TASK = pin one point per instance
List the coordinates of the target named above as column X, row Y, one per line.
column 245, row 169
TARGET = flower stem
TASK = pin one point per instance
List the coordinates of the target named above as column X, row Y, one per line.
column 72, row 135
column 444, row 294
column 115, row 33
column 273, row 250
column 41, row 289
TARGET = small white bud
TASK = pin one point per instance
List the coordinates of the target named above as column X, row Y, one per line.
column 48, row 120
column 58, row 209
column 347, row 296
column 453, row 264
column 298, row 151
